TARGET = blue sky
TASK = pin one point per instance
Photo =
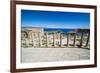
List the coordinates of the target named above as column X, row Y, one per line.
column 54, row 19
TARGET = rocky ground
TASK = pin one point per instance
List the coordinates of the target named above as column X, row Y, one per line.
column 53, row 54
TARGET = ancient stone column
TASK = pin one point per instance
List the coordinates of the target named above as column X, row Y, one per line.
column 54, row 39
column 81, row 41
column 74, row 39
column 60, row 39
column 87, row 39
column 46, row 39
column 40, row 40
column 67, row 39
column 33, row 39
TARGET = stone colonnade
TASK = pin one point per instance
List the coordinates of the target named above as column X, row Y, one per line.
column 39, row 38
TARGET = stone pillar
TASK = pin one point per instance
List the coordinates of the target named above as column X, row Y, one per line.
column 28, row 39
column 67, row 39
column 39, row 37
column 33, row 39
column 88, row 37
column 74, row 39
column 81, row 41
column 30, row 35
column 59, row 42
column 60, row 39
column 54, row 39
column 46, row 39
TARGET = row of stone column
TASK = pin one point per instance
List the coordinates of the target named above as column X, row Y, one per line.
column 54, row 43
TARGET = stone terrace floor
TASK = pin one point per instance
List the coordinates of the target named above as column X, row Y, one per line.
column 53, row 54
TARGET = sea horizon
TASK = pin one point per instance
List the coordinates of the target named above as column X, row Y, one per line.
column 58, row 29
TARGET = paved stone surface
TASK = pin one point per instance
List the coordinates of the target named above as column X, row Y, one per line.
column 53, row 54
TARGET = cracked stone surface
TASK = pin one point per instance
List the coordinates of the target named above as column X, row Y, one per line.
column 29, row 55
